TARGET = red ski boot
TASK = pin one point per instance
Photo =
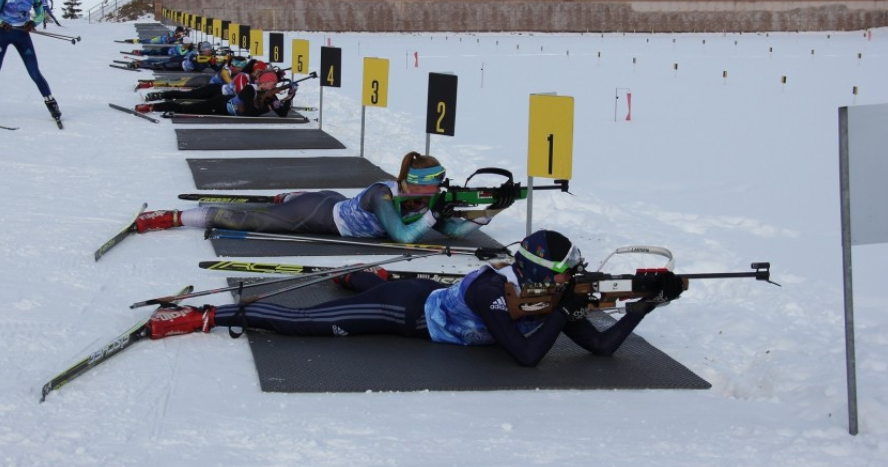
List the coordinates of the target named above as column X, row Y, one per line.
column 158, row 220
column 181, row 320
column 144, row 108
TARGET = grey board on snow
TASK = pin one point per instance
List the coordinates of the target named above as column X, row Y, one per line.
column 254, row 138
column 285, row 173
column 395, row 363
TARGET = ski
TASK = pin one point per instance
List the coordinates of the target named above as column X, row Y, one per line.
column 210, row 198
column 304, row 109
column 125, row 232
column 121, row 342
column 277, row 268
column 133, row 112
column 125, row 68
column 479, row 252
column 8, row 128
column 122, row 62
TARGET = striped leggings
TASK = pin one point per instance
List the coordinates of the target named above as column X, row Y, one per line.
column 380, row 307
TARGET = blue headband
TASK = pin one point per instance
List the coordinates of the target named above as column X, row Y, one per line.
column 428, row 176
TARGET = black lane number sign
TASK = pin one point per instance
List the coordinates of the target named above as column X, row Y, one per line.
column 441, row 109
column 331, row 67
column 276, row 51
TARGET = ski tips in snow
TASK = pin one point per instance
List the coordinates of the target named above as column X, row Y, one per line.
column 133, row 112
column 124, row 232
column 121, row 67
column 121, row 342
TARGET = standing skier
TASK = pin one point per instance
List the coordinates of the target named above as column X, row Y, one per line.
column 47, row 9
column 15, row 28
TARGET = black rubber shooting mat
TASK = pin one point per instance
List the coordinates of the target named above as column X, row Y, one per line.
column 272, row 173
column 270, row 248
column 258, row 138
column 394, row 363
column 293, row 118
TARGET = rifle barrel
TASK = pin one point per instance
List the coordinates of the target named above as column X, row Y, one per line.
column 719, row 275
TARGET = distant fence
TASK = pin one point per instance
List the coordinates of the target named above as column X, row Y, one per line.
column 105, row 10
column 540, row 15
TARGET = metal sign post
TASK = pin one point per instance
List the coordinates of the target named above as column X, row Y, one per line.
column 863, row 168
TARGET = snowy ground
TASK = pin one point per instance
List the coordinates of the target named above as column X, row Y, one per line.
column 723, row 172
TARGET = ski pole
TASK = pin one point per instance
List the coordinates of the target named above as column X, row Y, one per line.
column 344, row 270
column 52, row 35
column 327, row 275
column 480, row 253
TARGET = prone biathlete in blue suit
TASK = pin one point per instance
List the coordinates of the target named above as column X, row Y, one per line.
column 475, row 311
column 373, row 213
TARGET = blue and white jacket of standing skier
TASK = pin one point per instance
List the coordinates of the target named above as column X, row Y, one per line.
column 18, row 12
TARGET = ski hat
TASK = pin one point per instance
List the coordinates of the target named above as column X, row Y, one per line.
column 542, row 255
column 267, row 77
column 260, row 66
column 204, row 46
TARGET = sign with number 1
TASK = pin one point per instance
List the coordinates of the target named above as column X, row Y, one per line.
column 550, row 137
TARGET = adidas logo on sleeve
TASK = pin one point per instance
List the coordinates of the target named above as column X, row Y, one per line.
column 499, row 304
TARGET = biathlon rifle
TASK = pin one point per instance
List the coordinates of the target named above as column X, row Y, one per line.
column 458, row 201
column 452, row 198
column 604, row 291
column 284, row 84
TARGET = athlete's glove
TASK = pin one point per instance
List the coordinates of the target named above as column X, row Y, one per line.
column 573, row 305
column 6, row 27
column 662, row 286
column 28, row 27
column 292, row 92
